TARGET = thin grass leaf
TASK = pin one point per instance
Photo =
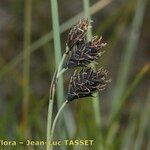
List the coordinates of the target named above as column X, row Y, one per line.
column 128, row 57
column 57, row 48
column 58, row 55
column 26, row 68
column 59, row 86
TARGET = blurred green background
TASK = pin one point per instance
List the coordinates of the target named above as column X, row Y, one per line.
column 120, row 119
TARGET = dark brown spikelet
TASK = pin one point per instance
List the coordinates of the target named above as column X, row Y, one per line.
column 87, row 82
column 77, row 33
column 86, row 52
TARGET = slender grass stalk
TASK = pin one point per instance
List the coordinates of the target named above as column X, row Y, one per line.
column 57, row 47
column 86, row 4
column 51, row 101
column 55, row 121
column 50, row 109
column 46, row 38
column 26, row 65
column 49, row 122
column 128, row 57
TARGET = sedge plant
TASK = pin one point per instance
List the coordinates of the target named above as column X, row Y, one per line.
column 80, row 54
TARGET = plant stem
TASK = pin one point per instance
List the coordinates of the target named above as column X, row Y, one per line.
column 57, row 48
column 51, row 101
column 96, row 104
column 26, row 67
column 50, row 108
column 49, row 122
column 55, row 121
column 58, row 56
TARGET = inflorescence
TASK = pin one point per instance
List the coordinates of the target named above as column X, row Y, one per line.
column 83, row 53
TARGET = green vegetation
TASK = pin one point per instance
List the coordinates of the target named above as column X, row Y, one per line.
column 32, row 44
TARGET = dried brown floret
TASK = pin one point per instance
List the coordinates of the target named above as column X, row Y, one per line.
column 86, row 52
column 87, row 82
column 77, row 33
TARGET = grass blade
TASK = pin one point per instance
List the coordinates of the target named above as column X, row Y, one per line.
column 26, row 67
column 57, row 48
column 58, row 55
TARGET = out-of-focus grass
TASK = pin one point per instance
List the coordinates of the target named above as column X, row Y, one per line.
column 128, row 136
column 86, row 5
column 115, row 120
column 26, row 69
column 120, row 17
column 130, row 90
column 143, row 125
column 128, row 57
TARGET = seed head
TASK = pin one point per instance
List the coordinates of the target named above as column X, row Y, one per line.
column 77, row 33
column 86, row 52
column 87, row 82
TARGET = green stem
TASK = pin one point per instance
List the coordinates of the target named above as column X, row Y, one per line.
column 51, row 100
column 49, row 122
column 50, row 109
column 26, row 66
column 55, row 121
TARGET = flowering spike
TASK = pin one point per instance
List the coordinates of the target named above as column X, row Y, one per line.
column 86, row 82
column 77, row 33
column 86, row 52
